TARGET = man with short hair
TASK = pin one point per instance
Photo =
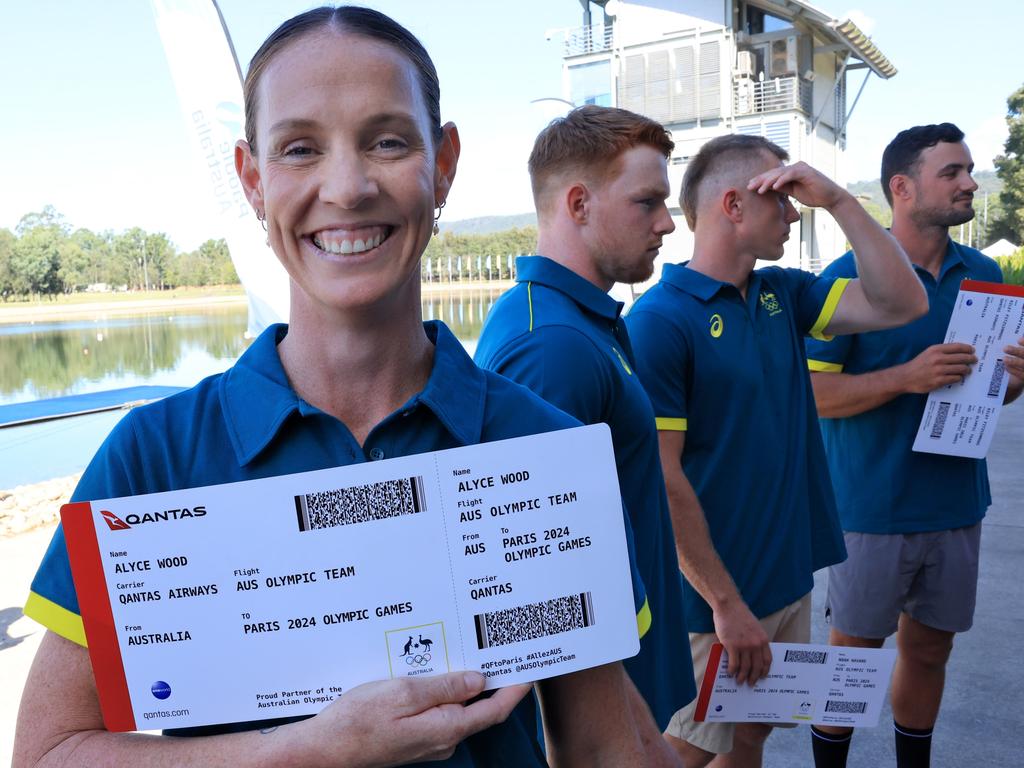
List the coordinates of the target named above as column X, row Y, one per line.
column 719, row 350
column 912, row 521
column 600, row 182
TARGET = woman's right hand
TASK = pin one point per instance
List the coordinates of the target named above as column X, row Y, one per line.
column 393, row 722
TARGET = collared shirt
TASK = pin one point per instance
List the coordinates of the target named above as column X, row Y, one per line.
column 731, row 373
column 248, row 423
column 563, row 337
column 881, row 485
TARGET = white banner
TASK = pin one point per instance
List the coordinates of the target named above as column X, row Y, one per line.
column 208, row 81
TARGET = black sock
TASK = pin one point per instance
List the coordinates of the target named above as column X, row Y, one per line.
column 830, row 749
column 913, row 746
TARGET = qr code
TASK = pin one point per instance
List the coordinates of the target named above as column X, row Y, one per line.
column 997, row 379
column 847, row 707
column 360, row 503
column 528, row 622
column 807, row 657
column 940, row 421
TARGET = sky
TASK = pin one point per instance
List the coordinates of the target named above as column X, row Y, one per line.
column 90, row 122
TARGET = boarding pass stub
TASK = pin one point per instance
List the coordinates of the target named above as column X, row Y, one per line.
column 269, row 598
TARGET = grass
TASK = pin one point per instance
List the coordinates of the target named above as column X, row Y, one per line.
column 119, row 296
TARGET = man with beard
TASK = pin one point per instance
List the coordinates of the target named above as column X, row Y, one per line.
column 600, row 181
column 912, row 521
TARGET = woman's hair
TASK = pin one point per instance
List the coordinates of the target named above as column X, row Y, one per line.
column 346, row 18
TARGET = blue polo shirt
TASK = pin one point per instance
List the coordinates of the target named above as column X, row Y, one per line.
column 881, row 485
column 731, row 373
column 249, row 423
column 562, row 337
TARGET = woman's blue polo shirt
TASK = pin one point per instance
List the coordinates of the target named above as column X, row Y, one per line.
column 881, row 485
column 731, row 373
column 562, row 337
column 249, row 423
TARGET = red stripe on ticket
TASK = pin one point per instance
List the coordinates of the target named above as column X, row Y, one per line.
column 979, row 286
column 708, row 685
column 97, row 617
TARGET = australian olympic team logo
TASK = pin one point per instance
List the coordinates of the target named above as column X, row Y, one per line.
column 716, row 326
column 417, row 650
column 770, row 303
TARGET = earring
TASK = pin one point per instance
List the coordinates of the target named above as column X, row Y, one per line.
column 262, row 218
column 437, row 217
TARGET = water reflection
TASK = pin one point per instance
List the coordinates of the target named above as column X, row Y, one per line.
column 51, row 359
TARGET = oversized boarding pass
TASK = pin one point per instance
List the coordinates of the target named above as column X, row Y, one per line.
column 269, row 598
column 819, row 684
column 960, row 419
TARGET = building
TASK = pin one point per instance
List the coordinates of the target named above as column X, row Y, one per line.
column 774, row 68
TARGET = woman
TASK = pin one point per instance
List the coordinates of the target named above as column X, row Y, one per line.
column 345, row 162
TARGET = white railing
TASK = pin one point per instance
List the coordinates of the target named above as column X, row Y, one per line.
column 775, row 95
column 592, row 39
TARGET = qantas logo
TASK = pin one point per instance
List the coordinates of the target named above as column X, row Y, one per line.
column 115, row 523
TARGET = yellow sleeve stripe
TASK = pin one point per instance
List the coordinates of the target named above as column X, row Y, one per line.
column 829, row 309
column 643, row 618
column 665, row 424
column 529, row 299
column 822, row 366
column 55, row 618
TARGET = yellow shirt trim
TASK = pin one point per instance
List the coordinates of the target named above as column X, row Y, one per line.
column 56, row 618
column 822, row 366
column 665, row 424
column 829, row 309
column 529, row 298
column 643, row 618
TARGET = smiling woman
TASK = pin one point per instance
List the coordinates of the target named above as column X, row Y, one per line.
column 345, row 161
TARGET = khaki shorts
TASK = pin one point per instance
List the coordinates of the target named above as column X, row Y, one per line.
column 791, row 624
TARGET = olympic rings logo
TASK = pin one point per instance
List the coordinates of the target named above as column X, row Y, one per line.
column 419, row 659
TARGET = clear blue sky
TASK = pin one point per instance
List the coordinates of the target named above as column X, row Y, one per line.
column 90, row 122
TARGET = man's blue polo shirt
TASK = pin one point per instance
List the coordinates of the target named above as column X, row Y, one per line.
column 881, row 485
column 249, row 423
column 731, row 373
column 562, row 337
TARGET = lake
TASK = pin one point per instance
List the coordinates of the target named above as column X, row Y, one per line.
column 43, row 360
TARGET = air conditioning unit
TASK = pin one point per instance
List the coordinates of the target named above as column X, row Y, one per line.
column 744, row 64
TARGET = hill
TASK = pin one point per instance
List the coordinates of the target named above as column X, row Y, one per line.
column 485, row 225
column 987, row 182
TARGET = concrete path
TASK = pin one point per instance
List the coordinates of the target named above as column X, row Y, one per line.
column 981, row 715
column 983, row 707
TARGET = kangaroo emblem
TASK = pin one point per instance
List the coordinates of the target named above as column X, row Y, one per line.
column 408, row 647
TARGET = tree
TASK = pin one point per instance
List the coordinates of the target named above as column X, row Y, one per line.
column 1010, row 168
column 7, row 241
column 48, row 217
column 35, row 261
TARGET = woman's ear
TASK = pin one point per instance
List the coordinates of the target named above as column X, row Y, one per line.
column 248, row 171
column 445, row 162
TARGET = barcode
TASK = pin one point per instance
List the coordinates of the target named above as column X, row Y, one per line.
column 807, row 657
column 528, row 622
column 997, row 379
column 940, row 421
column 848, row 707
column 360, row 503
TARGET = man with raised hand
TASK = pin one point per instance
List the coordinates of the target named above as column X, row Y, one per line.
column 912, row 521
column 600, row 182
column 719, row 350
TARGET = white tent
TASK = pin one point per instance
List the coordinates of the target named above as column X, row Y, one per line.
column 1000, row 248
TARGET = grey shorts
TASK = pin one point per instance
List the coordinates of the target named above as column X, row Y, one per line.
column 932, row 577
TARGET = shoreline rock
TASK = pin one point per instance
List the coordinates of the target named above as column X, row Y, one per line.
column 27, row 507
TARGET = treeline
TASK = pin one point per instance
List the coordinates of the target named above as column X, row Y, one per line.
column 477, row 257
column 44, row 257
